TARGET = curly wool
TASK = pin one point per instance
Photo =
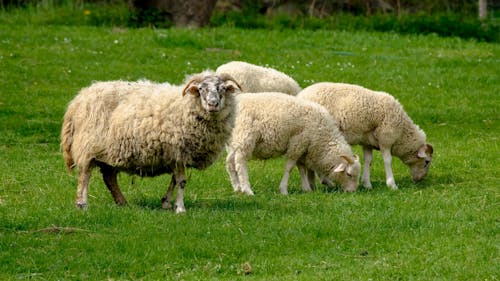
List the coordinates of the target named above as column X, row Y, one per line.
column 143, row 128
column 368, row 117
column 269, row 125
column 253, row 78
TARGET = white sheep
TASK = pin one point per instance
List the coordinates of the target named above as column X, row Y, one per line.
column 147, row 129
column 269, row 125
column 253, row 78
column 374, row 120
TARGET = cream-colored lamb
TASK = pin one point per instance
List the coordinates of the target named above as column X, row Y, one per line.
column 269, row 125
column 374, row 120
column 254, row 78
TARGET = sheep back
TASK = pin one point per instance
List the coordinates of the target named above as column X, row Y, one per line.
column 254, row 78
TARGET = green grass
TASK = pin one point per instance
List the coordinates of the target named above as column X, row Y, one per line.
column 445, row 228
column 462, row 22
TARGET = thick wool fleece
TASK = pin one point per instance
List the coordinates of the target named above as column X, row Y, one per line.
column 253, row 78
column 143, row 128
column 368, row 117
column 274, row 124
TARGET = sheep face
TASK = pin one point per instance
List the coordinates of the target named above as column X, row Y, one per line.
column 419, row 166
column 212, row 90
column 347, row 173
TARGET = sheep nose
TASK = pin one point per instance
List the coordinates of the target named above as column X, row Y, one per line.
column 418, row 178
column 214, row 103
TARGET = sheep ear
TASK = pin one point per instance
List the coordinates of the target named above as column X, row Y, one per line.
column 233, row 86
column 340, row 168
column 430, row 149
column 425, row 150
column 191, row 88
column 348, row 159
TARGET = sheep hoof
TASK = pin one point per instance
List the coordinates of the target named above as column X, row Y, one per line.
column 307, row 189
column 121, row 202
column 82, row 205
column 393, row 186
column 367, row 185
column 391, row 183
column 166, row 205
column 180, row 210
column 248, row 192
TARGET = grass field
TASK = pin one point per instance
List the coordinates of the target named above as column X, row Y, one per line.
column 445, row 228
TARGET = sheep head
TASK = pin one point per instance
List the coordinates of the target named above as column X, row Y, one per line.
column 347, row 172
column 211, row 89
column 420, row 166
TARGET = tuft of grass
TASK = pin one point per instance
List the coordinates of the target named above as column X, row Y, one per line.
column 444, row 228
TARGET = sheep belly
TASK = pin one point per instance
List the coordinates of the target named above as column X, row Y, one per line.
column 267, row 152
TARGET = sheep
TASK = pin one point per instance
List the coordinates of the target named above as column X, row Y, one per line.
column 270, row 124
column 147, row 129
column 254, row 78
column 374, row 120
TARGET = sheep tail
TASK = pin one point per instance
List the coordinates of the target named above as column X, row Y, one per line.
column 66, row 143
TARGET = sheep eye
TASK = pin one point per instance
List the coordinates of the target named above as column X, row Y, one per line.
column 348, row 174
column 427, row 162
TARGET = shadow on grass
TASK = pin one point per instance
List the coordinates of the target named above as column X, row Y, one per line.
column 231, row 203
column 431, row 181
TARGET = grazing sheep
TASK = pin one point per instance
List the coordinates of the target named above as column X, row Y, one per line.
column 254, row 78
column 269, row 125
column 375, row 120
column 147, row 129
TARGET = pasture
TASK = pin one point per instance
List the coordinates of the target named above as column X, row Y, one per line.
column 444, row 228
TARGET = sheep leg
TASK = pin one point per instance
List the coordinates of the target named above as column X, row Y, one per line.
column 109, row 176
column 290, row 163
column 180, row 179
column 305, row 179
column 166, row 201
column 242, row 171
column 83, row 187
column 389, row 177
column 327, row 182
column 368, row 156
column 311, row 178
column 231, row 170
